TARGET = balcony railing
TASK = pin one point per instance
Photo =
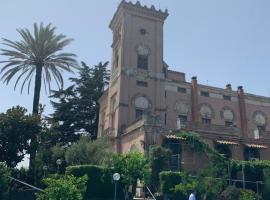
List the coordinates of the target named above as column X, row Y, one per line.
column 220, row 129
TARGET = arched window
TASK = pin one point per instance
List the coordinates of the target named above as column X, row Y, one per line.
column 206, row 114
column 141, row 105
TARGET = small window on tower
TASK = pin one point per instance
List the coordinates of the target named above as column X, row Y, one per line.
column 205, row 94
column 142, row 83
column 206, row 121
column 139, row 113
column 143, row 61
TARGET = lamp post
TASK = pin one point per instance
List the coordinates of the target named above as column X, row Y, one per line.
column 45, row 168
column 116, row 178
column 58, row 162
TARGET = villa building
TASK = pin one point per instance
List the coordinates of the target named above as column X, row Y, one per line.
column 146, row 101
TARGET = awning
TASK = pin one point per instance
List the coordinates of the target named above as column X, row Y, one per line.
column 175, row 137
column 227, row 142
column 259, row 146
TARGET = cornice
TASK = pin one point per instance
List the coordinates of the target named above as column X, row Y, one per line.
column 138, row 8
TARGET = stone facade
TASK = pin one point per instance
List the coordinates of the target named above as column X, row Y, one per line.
column 146, row 100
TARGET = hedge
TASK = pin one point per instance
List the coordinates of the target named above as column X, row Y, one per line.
column 168, row 180
column 99, row 184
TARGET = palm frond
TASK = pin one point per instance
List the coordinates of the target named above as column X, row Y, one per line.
column 41, row 48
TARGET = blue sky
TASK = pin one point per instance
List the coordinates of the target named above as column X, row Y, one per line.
column 219, row 41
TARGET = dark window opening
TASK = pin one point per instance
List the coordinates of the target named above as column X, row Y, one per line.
column 205, row 94
column 224, row 149
column 261, row 129
column 139, row 113
column 226, row 97
column 251, row 153
column 206, row 121
column 182, row 90
column 142, row 62
column 182, row 121
column 228, row 123
column 142, row 83
column 165, row 118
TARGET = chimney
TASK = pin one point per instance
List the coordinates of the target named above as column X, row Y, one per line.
column 229, row 87
column 242, row 110
column 194, row 100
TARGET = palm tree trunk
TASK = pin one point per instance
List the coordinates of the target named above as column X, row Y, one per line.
column 37, row 89
column 34, row 143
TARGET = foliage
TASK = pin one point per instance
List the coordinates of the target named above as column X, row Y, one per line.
column 37, row 54
column 266, row 188
column 87, row 151
column 4, row 180
column 230, row 193
column 47, row 157
column 187, row 185
column 67, row 187
column 199, row 146
column 76, row 109
column 247, row 195
column 131, row 166
column 16, row 130
column 177, row 184
column 211, row 180
column 99, row 183
column 168, row 180
column 159, row 161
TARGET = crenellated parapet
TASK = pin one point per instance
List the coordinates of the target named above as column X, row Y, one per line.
column 138, row 8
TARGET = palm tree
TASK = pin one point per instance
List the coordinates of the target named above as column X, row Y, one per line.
column 37, row 55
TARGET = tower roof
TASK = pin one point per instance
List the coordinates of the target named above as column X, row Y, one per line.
column 138, row 8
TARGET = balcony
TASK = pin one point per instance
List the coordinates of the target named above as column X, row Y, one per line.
column 213, row 129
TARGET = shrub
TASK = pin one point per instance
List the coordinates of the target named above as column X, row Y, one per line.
column 168, row 180
column 89, row 152
column 99, row 184
column 230, row 193
column 247, row 195
column 4, row 180
column 67, row 187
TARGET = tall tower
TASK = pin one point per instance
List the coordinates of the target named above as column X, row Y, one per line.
column 137, row 73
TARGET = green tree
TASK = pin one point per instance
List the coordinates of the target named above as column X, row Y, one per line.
column 132, row 167
column 76, row 109
column 4, row 180
column 16, row 129
column 87, row 151
column 67, row 187
column 159, row 161
column 39, row 55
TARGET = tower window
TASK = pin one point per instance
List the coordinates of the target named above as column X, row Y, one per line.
column 226, row 97
column 142, row 83
column 142, row 62
column 182, row 90
column 228, row 123
column 205, row 94
column 138, row 113
column 261, row 129
column 206, row 121
column 181, row 121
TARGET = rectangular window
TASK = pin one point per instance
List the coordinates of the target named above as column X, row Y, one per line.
column 142, row 62
column 226, row 97
column 228, row 123
column 182, row 121
column 206, row 121
column 142, row 83
column 182, row 90
column 205, row 94
column 139, row 113
column 261, row 129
